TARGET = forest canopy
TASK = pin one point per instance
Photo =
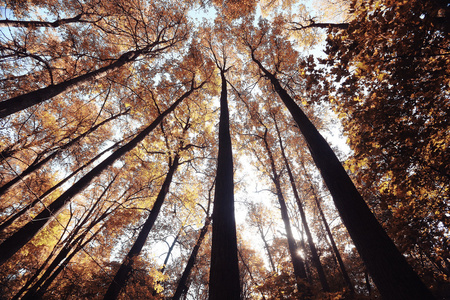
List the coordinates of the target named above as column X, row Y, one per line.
column 234, row 149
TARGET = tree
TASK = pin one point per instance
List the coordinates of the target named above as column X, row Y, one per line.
column 122, row 274
column 297, row 262
column 315, row 256
column 224, row 274
column 384, row 261
column 79, row 184
column 27, row 232
column 399, row 53
column 166, row 36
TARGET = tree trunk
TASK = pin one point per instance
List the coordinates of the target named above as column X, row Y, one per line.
column 24, row 101
column 182, row 287
column 330, row 236
column 50, row 278
column 224, row 272
column 72, row 241
column 314, row 255
column 266, row 245
column 15, row 242
column 36, row 165
column 394, row 277
column 35, row 24
column 122, row 274
column 166, row 260
column 297, row 261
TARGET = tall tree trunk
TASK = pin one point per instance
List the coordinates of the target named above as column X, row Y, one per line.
column 24, row 101
column 35, row 24
column 20, row 213
column 329, row 233
column 266, row 245
column 182, row 287
column 37, row 164
column 166, row 260
column 394, row 277
column 224, row 272
column 250, row 273
column 314, row 255
column 72, row 240
column 15, row 242
column 122, row 274
column 297, row 261
column 39, row 292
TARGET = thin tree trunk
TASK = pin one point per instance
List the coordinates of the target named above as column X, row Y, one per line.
column 224, row 272
column 341, row 26
column 182, row 288
column 71, row 242
column 39, row 164
column 314, row 255
column 15, row 242
column 24, row 101
column 64, row 261
column 20, row 213
column 35, row 24
column 330, row 235
column 366, row 277
column 250, row 273
column 394, row 277
column 166, row 260
column 297, row 261
column 169, row 253
column 122, row 274
column 266, row 245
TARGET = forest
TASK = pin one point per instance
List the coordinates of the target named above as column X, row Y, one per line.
column 225, row 149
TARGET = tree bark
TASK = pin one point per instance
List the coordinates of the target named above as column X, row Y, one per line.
column 314, row 255
column 123, row 273
column 224, row 272
column 394, row 277
column 63, row 261
column 15, row 242
column 182, row 287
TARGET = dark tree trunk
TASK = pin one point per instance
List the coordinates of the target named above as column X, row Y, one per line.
column 37, row 164
column 72, row 241
column 297, row 261
column 182, row 287
column 24, row 101
column 224, row 273
column 169, row 253
column 35, row 24
column 123, row 273
column 341, row 26
column 15, row 242
column 393, row 276
column 314, row 255
column 51, row 276
column 166, row 260
column 330, row 236
column 367, row 279
column 20, row 213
